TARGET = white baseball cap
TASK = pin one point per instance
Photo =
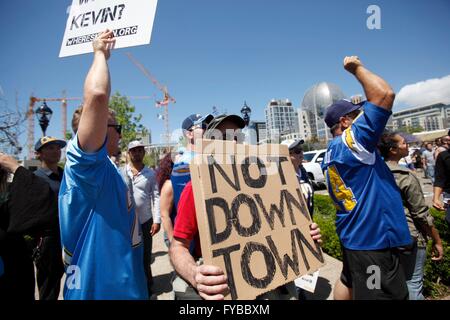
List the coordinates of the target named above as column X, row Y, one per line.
column 135, row 144
column 293, row 143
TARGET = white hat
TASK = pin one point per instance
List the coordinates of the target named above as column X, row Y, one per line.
column 135, row 144
column 293, row 143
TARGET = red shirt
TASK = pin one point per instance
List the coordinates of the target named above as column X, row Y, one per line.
column 186, row 220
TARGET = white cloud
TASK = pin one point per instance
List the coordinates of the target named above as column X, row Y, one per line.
column 424, row 93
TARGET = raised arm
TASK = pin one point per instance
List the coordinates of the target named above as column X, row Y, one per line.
column 377, row 91
column 97, row 87
column 32, row 205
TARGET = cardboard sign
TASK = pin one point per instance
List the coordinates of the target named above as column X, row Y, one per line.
column 130, row 20
column 252, row 217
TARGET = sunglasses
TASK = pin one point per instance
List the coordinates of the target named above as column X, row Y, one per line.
column 297, row 151
column 118, row 127
column 198, row 126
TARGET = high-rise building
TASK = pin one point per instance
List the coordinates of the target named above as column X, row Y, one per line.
column 261, row 131
column 281, row 119
column 146, row 138
column 312, row 110
column 429, row 118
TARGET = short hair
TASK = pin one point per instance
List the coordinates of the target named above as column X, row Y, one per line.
column 438, row 141
column 387, row 142
column 77, row 115
column 165, row 170
column 335, row 127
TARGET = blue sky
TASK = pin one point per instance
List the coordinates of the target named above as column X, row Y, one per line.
column 224, row 52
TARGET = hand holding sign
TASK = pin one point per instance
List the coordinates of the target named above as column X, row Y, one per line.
column 104, row 43
column 315, row 232
column 211, row 282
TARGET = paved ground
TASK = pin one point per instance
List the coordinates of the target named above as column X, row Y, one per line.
column 162, row 269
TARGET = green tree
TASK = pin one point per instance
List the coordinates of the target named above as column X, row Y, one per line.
column 151, row 160
column 125, row 116
column 69, row 135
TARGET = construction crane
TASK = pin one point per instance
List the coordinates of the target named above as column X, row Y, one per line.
column 163, row 103
column 30, row 116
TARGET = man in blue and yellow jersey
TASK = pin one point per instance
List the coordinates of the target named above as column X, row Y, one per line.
column 370, row 221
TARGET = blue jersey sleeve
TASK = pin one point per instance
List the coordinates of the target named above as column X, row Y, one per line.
column 85, row 170
column 369, row 125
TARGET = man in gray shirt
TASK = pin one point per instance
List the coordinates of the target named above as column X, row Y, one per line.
column 142, row 184
column 48, row 253
column 428, row 161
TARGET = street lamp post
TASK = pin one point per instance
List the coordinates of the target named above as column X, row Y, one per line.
column 246, row 112
column 44, row 114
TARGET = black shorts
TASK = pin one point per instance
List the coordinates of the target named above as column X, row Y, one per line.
column 374, row 274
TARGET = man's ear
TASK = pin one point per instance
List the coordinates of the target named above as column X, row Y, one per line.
column 189, row 134
column 344, row 122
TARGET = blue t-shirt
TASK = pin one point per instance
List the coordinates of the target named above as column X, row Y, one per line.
column 180, row 177
column 369, row 207
column 100, row 233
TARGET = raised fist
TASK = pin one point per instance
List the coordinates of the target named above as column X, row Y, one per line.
column 8, row 163
column 351, row 64
column 104, row 42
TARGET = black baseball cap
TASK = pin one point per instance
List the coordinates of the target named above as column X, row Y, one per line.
column 195, row 119
column 223, row 117
column 339, row 109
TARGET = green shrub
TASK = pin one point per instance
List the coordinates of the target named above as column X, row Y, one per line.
column 441, row 224
column 437, row 273
column 324, row 216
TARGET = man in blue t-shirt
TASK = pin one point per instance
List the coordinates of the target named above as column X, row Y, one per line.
column 100, row 232
column 370, row 221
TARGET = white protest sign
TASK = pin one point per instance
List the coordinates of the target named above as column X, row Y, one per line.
column 308, row 282
column 130, row 20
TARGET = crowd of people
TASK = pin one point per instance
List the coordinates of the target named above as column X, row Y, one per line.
column 105, row 216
